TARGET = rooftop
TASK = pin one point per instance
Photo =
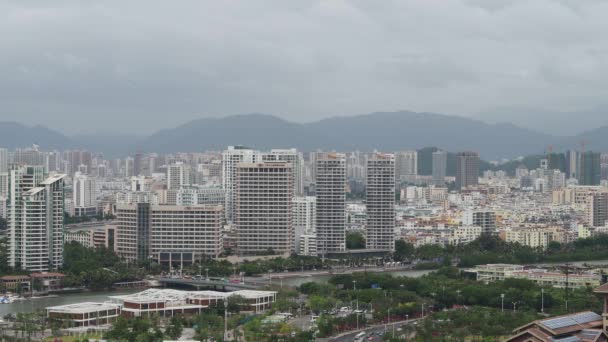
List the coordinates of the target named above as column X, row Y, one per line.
column 83, row 307
column 169, row 295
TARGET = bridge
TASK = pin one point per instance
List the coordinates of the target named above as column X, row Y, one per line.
column 205, row 283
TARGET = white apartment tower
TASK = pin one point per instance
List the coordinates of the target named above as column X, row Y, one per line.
column 297, row 164
column 330, row 183
column 178, row 175
column 35, row 216
column 440, row 163
column 235, row 155
column 304, row 224
column 230, row 159
column 380, row 202
column 85, row 195
column 263, row 208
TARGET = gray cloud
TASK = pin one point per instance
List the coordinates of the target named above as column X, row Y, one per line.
column 137, row 66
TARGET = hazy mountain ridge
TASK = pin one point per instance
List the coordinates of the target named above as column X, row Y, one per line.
column 387, row 131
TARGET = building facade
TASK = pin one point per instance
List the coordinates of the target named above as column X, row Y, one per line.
column 35, row 219
column 380, row 202
column 330, row 182
column 263, row 208
column 163, row 232
column 467, row 169
column 440, row 162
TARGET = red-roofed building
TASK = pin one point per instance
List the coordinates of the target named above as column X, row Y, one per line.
column 46, row 281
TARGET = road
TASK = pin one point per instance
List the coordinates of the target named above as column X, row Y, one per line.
column 349, row 337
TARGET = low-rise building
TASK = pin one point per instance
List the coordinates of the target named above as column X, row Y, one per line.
column 534, row 236
column 15, row 283
column 494, row 272
column 84, row 314
column 543, row 277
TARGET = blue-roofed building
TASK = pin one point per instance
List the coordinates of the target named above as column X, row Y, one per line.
column 584, row 326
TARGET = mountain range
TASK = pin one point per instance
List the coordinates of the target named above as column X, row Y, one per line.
column 383, row 131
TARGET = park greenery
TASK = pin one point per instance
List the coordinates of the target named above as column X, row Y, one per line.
column 491, row 249
column 402, row 298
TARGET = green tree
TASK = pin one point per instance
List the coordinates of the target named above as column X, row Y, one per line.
column 355, row 240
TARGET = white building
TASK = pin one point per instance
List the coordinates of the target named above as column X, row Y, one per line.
column 195, row 195
column 35, row 218
column 175, row 234
column 263, row 208
column 231, row 157
column 534, row 237
column 84, row 195
column 297, row 161
column 178, row 175
column 330, row 182
column 304, row 224
column 380, row 202
column 466, row 234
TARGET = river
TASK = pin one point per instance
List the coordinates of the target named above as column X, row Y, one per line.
column 30, row 305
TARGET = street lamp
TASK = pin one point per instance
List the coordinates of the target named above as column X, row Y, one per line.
column 502, row 302
column 226, row 319
column 542, row 300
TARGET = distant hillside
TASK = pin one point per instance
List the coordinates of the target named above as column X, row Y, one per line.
column 14, row 135
column 382, row 131
column 386, row 131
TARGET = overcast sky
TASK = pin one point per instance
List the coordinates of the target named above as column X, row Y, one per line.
column 138, row 66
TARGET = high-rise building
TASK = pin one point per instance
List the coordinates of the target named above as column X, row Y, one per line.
column 486, row 219
column 128, row 167
column 589, row 168
column 29, row 156
column 467, row 169
column 85, row 195
column 304, row 223
column 406, row 164
column 597, row 209
column 231, row 157
column 380, row 202
column 138, row 163
column 330, row 186
column 263, row 208
column 3, row 160
column 604, row 166
column 4, row 184
column 440, row 164
column 178, row 175
column 35, row 218
column 176, row 235
column 296, row 159
column 571, row 164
